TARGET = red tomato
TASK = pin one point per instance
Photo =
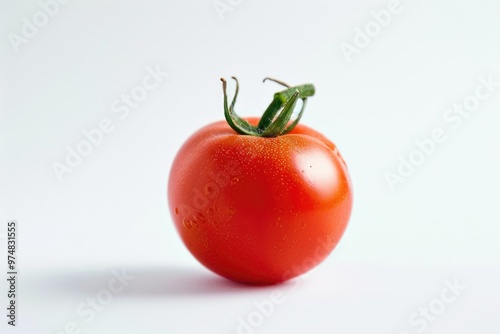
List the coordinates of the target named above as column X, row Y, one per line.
column 259, row 210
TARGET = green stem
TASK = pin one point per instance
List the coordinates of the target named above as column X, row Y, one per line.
column 276, row 119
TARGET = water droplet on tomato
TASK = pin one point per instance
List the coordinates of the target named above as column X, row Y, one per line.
column 187, row 223
column 234, row 180
column 210, row 190
column 176, row 211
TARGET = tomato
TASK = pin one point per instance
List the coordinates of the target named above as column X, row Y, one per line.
column 257, row 209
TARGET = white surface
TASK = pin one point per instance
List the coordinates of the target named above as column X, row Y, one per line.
column 110, row 213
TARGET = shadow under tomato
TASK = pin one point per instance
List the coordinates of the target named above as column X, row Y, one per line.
column 146, row 282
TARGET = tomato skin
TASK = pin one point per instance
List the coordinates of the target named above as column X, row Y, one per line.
column 259, row 210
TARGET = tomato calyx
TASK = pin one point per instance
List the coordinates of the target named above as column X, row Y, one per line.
column 276, row 119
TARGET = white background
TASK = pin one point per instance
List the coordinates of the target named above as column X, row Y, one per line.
column 442, row 224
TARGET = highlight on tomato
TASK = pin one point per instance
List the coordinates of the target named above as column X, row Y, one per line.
column 260, row 201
